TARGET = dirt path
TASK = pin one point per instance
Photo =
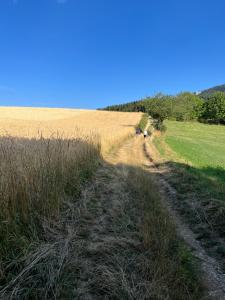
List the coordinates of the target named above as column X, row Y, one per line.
column 95, row 252
column 112, row 258
column 99, row 242
column 107, row 249
column 112, row 228
column 138, row 152
column 212, row 274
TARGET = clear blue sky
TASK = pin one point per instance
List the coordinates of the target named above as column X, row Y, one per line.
column 92, row 53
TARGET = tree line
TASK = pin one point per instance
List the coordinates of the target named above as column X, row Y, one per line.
column 182, row 107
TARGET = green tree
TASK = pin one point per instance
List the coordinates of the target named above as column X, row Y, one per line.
column 214, row 108
column 187, row 106
column 160, row 108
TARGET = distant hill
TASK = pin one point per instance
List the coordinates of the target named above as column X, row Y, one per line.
column 208, row 92
column 143, row 105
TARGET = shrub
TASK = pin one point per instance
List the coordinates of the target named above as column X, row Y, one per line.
column 214, row 109
column 143, row 122
column 158, row 125
column 187, row 107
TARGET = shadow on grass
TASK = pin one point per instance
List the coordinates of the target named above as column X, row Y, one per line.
column 41, row 181
column 200, row 200
column 202, row 189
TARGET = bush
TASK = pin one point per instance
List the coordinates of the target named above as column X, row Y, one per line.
column 214, row 109
column 158, row 125
column 161, row 108
column 143, row 122
column 187, row 107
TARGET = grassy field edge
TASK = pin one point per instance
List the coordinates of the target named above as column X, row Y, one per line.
column 200, row 188
column 176, row 267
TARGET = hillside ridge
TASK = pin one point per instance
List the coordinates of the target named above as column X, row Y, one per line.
column 217, row 88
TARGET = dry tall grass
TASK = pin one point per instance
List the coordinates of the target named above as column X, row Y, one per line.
column 36, row 178
column 45, row 157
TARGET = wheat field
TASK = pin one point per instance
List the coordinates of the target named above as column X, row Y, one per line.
column 26, row 122
column 69, row 228
column 46, row 156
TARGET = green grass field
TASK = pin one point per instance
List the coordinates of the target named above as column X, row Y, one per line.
column 201, row 145
column 194, row 156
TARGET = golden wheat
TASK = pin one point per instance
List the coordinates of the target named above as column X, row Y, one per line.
column 112, row 127
column 45, row 157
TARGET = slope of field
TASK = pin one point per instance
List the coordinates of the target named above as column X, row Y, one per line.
column 192, row 160
column 201, row 145
column 26, row 122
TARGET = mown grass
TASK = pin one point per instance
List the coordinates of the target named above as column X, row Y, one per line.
column 196, row 168
column 159, row 146
column 36, row 178
column 200, row 144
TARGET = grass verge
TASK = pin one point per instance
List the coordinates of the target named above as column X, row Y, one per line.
column 171, row 266
column 195, row 168
column 143, row 122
